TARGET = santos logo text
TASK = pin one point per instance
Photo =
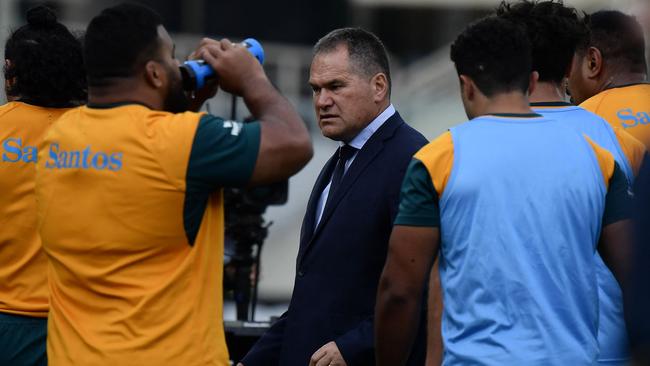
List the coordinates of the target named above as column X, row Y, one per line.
column 13, row 151
column 82, row 159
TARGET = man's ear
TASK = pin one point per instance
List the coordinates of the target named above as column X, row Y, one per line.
column 9, row 83
column 593, row 63
column 467, row 88
column 380, row 87
column 155, row 74
column 532, row 84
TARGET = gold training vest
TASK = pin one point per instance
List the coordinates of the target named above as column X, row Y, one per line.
column 23, row 268
column 127, row 288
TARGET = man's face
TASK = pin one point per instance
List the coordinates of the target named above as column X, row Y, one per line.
column 175, row 98
column 581, row 87
column 343, row 99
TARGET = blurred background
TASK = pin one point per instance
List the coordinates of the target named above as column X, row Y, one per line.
column 417, row 34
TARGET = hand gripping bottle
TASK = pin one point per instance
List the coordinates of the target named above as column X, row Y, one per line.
column 195, row 73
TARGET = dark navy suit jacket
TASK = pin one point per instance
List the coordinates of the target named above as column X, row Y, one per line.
column 340, row 262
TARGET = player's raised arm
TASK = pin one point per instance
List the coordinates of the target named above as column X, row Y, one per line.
column 285, row 145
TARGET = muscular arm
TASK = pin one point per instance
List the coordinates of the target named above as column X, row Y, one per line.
column 615, row 245
column 397, row 313
column 434, row 320
column 285, row 145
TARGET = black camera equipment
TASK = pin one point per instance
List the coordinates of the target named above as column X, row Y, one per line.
column 246, row 231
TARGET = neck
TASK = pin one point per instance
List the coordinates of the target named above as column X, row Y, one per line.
column 124, row 90
column 512, row 102
column 615, row 80
column 381, row 107
column 547, row 92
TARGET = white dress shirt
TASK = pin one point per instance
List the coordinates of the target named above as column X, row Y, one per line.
column 358, row 142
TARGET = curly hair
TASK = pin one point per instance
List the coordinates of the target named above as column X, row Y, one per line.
column 119, row 41
column 496, row 54
column 45, row 62
column 619, row 37
column 554, row 31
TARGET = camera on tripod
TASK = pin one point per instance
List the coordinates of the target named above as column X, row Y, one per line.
column 246, row 231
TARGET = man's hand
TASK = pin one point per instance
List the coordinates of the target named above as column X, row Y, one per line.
column 327, row 355
column 237, row 69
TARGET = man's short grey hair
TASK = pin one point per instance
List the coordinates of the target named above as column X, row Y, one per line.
column 367, row 53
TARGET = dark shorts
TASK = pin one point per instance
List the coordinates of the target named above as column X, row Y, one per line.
column 22, row 340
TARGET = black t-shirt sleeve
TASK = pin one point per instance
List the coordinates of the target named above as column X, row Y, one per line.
column 418, row 198
column 618, row 202
column 223, row 154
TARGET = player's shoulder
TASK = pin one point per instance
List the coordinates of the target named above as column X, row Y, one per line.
column 588, row 115
column 441, row 146
column 604, row 157
column 8, row 107
column 23, row 109
column 595, row 101
column 30, row 117
column 166, row 117
column 635, row 91
column 160, row 120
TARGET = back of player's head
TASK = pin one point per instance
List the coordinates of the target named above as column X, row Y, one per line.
column 496, row 54
column 119, row 41
column 554, row 30
column 44, row 62
column 366, row 51
column 618, row 37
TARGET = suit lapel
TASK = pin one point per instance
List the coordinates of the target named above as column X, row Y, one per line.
column 308, row 222
column 365, row 156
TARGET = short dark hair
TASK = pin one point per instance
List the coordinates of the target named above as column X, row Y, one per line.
column 496, row 54
column 366, row 51
column 46, row 63
column 119, row 41
column 554, row 31
column 618, row 36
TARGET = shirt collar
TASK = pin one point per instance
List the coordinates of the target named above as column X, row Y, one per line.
column 550, row 104
column 370, row 130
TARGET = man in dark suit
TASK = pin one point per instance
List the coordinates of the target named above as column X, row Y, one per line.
column 345, row 232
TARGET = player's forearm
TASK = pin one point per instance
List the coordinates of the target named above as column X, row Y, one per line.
column 269, row 106
column 396, row 318
column 434, row 319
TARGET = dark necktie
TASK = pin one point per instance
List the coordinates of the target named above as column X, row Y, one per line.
column 345, row 153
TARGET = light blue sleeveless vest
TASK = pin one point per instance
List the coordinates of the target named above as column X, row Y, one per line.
column 612, row 333
column 520, row 219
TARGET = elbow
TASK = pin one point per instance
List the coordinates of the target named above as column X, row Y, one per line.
column 302, row 150
column 306, row 149
column 300, row 144
column 394, row 296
